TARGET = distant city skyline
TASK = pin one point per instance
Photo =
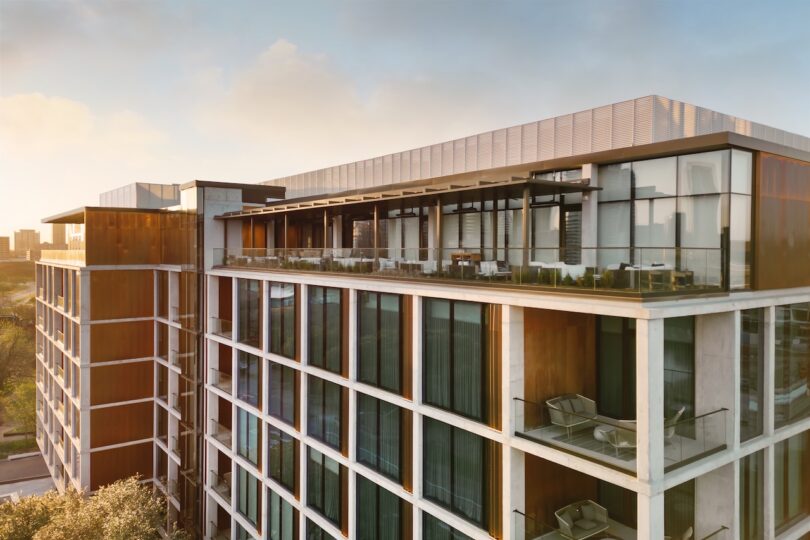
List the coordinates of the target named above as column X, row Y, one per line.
column 96, row 95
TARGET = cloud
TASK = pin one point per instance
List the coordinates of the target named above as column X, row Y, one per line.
column 304, row 112
column 48, row 127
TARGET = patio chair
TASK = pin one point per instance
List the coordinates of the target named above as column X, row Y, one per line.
column 571, row 410
column 493, row 269
column 582, row 519
column 670, row 423
column 622, row 438
column 687, row 535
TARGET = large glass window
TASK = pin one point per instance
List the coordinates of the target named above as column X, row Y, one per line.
column 791, row 469
column 792, row 399
column 752, row 355
column 379, row 337
column 282, row 457
column 325, row 328
column 314, row 532
column 616, row 371
column 324, row 477
column 378, row 435
column 248, row 496
column 751, row 496
column 248, row 436
column 249, row 379
column 249, row 293
column 455, row 356
column 380, row 513
column 324, row 410
column 679, row 366
column 435, row 529
column 455, row 470
column 283, row 392
column 282, row 518
column 282, row 319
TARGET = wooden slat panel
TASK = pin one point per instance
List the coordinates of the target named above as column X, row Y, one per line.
column 493, row 367
column 121, row 341
column 121, row 382
column 122, row 237
column 114, row 464
column 124, row 423
column 406, row 449
column 550, row 487
column 782, row 225
column 559, row 353
column 121, row 294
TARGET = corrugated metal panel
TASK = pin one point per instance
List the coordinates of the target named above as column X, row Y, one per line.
column 643, row 121
column 458, row 156
column 447, row 158
column 513, row 145
column 388, row 169
column 663, row 121
column 416, row 165
column 499, row 148
column 600, row 133
column 425, row 160
column 563, row 135
column 690, row 120
column 545, row 149
column 583, row 123
column 528, row 139
column 471, row 153
column 435, row 160
column 485, row 150
column 623, row 124
column 396, row 168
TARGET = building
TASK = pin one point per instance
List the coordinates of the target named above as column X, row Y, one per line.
column 596, row 323
column 26, row 240
column 58, row 236
column 5, row 247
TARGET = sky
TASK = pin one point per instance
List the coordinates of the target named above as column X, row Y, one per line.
column 98, row 94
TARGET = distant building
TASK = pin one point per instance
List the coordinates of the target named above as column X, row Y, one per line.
column 24, row 240
column 5, row 247
column 141, row 195
column 58, row 236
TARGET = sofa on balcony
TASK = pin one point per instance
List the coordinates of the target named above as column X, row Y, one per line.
column 571, row 410
column 582, row 519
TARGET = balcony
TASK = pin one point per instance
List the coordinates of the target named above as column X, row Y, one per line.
column 221, row 433
column 60, row 337
column 614, row 271
column 221, row 327
column 527, row 527
column 221, row 483
column 74, row 257
column 221, row 380
column 220, row 533
column 613, row 442
column 60, row 302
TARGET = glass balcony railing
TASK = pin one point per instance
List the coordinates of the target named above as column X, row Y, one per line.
column 572, row 424
column 628, row 271
column 528, row 528
column 221, row 483
column 221, row 327
column 222, row 380
column 723, row 533
column 75, row 257
column 221, row 433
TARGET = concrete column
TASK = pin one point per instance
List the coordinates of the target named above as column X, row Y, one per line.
column 525, row 225
column 769, row 375
column 650, row 509
column 715, row 497
column 513, row 365
column 650, row 400
column 734, row 417
column 768, row 517
column 715, row 385
column 416, row 435
column 734, row 527
column 590, row 216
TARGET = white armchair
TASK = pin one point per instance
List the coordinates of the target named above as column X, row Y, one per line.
column 581, row 520
column 571, row 410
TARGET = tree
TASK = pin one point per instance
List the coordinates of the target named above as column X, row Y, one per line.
column 124, row 510
column 16, row 352
column 19, row 404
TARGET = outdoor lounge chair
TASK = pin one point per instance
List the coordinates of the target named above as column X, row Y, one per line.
column 571, row 410
column 670, row 423
column 582, row 519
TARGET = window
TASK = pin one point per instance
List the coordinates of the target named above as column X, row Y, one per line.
column 324, row 411
column 282, row 518
column 791, row 470
column 455, row 470
column 616, row 369
column 283, row 392
column 751, row 496
column 454, row 356
column 248, row 496
column 379, row 340
column 679, row 367
column 435, row 529
column 250, row 311
column 241, row 533
column 792, row 399
column 282, row 456
column 378, row 435
column 316, row 533
column 380, row 513
column 324, row 478
column 248, row 436
column 325, row 328
column 249, row 379
column 752, row 357
column 282, row 319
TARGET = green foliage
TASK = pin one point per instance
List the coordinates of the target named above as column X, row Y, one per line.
column 16, row 353
column 124, row 510
column 19, row 404
column 18, row 446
